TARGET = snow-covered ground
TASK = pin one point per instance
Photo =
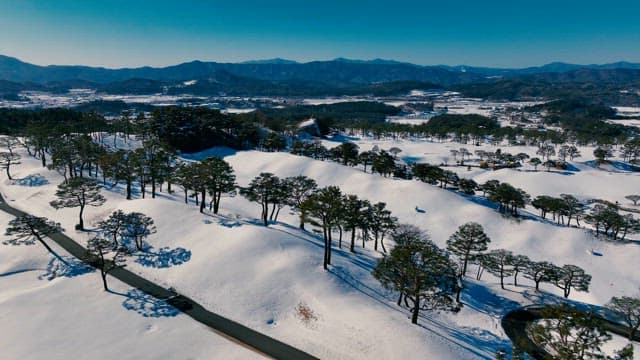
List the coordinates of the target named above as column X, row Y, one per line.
column 259, row 276
column 48, row 311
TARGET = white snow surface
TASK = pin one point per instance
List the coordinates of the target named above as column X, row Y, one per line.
column 258, row 275
column 71, row 317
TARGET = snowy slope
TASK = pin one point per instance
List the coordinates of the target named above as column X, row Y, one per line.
column 70, row 317
column 259, row 276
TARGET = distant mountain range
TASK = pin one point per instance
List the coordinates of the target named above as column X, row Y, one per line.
column 286, row 77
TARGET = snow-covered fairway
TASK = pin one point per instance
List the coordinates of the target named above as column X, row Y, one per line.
column 259, row 276
column 71, row 317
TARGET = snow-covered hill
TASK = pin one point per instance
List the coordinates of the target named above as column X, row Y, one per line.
column 259, row 276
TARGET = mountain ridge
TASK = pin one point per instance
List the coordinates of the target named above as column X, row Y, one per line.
column 336, row 71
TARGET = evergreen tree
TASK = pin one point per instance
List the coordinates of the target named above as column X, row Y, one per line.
column 571, row 277
column 6, row 160
column 569, row 333
column 27, row 229
column 347, row 153
column 325, row 205
column 518, row 264
column 468, row 241
column 216, row 177
column 384, row 164
column 113, row 226
column 535, row 162
column 106, row 256
column 300, row 188
column 78, row 192
column 354, row 216
column 539, row 271
column 628, row 309
column 496, row 262
column 263, row 189
column 380, row 222
column 420, row 271
column 137, row 226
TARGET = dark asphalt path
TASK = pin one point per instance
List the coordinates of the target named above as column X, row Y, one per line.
column 229, row 329
column 515, row 324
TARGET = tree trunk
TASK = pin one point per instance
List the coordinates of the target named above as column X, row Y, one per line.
column 81, row 223
column 103, row 274
column 326, row 246
column 352, row 247
column 202, row 201
column 416, row 309
column 128, row 189
column 265, row 213
column 329, row 243
column 216, row 202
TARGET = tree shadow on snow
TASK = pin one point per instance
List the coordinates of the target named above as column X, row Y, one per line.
column 32, row 180
column 147, row 305
column 482, row 299
column 164, row 257
column 67, row 267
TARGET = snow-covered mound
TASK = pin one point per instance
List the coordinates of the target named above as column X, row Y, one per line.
column 49, row 311
column 263, row 277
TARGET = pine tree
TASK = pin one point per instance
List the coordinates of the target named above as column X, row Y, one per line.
column 113, row 226
column 569, row 333
column 6, row 160
column 468, row 241
column 539, row 271
column 78, row 192
column 354, row 216
column 518, row 264
column 106, row 256
column 137, row 226
column 420, row 271
column 629, row 309
column 326, row 205
column 27, row 229
column 496, row 262
column 572, row 277
column 263, row 189
column 300, row 188
column 216, row 177
column 380, row 222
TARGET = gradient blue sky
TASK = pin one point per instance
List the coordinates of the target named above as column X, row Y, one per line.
column 515, row 33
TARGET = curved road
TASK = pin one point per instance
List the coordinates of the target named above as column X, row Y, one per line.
column 229, row 329
column 515, row 324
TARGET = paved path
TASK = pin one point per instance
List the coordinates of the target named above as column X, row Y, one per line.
column 229, row 329
column 515, row 324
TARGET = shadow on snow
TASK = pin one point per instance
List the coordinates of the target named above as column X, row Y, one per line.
column 147, row 305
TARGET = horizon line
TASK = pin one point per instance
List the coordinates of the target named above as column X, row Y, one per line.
column 302, row 62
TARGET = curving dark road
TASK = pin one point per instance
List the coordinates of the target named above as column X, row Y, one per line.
column 515, row 324
column 229, row 329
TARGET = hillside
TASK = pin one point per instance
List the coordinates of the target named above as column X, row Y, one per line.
column 260, row 275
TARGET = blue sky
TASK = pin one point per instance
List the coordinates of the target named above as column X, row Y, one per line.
column 516, row 33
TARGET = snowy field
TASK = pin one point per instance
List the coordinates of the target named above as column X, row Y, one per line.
column 259, row 276
column 53, row 312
